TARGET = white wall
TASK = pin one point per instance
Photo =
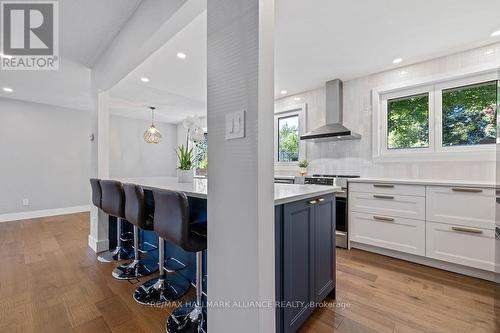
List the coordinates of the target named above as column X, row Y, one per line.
column 355, row 157
column 131, row 156
column 44, row 156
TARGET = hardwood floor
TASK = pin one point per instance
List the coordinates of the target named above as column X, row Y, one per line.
column 51, row 282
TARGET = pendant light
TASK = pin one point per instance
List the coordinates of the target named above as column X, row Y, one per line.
column 152, row 135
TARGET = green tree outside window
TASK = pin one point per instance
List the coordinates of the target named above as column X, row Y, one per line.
column 288, row 139
column 469, row 115
column 408, row 122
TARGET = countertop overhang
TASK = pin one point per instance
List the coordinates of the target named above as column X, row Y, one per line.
column 283, row 193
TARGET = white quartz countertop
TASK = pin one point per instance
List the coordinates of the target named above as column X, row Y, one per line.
column 283, row 193
column 429, row 182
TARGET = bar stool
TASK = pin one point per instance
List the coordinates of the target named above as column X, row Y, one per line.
column 164, row 288
column 172, row 208
column 136, row 213
column 112, row 202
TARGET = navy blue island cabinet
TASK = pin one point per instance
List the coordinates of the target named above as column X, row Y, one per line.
column 305, row 259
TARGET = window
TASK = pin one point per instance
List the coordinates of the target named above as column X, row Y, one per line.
column 469, row 115
column 408, row 122
column 288, row 139
column 289, row 124
column 447, row 116
column 201, row 156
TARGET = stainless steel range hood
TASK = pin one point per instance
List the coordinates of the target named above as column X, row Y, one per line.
column 334, row 130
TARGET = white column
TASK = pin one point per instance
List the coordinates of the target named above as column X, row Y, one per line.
column 240, row 192
column 98, row 238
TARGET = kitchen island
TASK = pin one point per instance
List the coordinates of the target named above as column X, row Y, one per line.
column 304, row 242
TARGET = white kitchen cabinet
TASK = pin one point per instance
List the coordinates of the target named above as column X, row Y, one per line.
column 472, row 247
column 465, row 206
column 446, row 226
column 394, row 205
column 388, row 188
column 395, row 233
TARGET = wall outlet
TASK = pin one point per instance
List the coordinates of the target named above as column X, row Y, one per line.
column 26, row 202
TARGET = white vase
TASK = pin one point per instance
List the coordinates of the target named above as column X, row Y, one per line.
column 185, row 176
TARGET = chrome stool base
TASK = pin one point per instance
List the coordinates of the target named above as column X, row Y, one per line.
column 156, row 292
column 135, row 269
column 115, row 255
column 188, row 318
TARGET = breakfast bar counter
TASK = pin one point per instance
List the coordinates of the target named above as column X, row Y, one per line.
column 283, row 193
column 304, row 242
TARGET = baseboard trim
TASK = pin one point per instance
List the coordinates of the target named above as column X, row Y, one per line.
column 98, row 245
column 43, row 213
column 455, row 268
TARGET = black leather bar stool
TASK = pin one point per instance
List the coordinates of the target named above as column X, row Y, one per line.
column 136, row 213
column 112, row 202
column 96, row 192
column 164, row 288
column 172, row 209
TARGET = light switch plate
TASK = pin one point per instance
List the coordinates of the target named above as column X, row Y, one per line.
column 235, row 125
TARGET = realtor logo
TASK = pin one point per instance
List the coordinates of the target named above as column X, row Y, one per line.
column 30, row 35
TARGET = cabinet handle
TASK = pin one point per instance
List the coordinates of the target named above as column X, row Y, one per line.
column 469, row 230
column 383, row 185
column 313, row 202
column 383, row 196
column 321, row 199
column 382, row 218
column 466, row 189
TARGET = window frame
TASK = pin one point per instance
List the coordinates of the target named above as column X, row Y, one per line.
column 434, row 86
column 294, row 110
column 439, row 113
column 401, row 94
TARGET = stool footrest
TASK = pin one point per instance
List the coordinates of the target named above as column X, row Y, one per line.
column 156, row 292
column 147, row 247
column 127, row 236
column 174, row 265
column 189, row 318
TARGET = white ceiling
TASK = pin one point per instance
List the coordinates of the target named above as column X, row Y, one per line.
column 87, row 27
column 177, row 87
column 85, row 30
column 319, row 40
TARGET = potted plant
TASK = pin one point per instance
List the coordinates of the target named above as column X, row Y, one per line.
column 185, row 171
column 303, row 167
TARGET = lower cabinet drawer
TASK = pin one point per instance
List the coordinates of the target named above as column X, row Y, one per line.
column 404, row 206
column 466, row 246
column 394, row 233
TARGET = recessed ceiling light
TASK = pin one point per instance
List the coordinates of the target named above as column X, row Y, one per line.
column 403, row 73
column 283, row 92
column 144, row 79
column 495, row 33
column 297, row 98
column 181, row 55
column 8, row 90
column 397, row 60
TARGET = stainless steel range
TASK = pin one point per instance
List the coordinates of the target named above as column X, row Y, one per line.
column 342, row 232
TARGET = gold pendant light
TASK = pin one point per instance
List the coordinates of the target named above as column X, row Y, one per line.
column 152, row 135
